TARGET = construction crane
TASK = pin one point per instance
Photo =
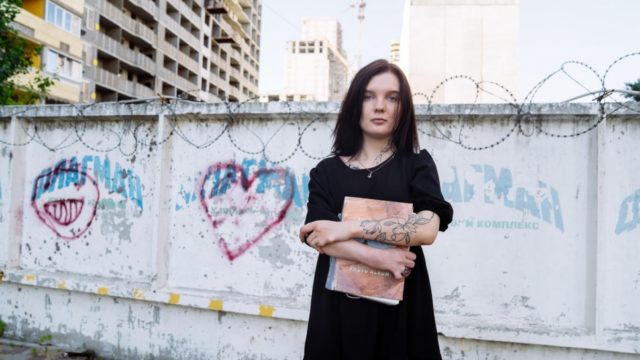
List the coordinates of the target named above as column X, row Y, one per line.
column 361, row 6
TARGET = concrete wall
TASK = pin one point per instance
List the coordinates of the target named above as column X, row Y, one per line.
column 121, row 229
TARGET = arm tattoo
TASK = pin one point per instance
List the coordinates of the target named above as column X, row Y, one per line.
column 394, row 230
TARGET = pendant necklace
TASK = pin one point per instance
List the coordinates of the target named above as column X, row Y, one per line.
column 374, row 169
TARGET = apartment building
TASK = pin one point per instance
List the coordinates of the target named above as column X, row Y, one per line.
column 394, row 52
column 316, row 67
column 55, row 26
column 198, row 50
column 476, row 38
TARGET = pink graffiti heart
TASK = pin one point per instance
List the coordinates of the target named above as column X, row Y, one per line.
column 241, row 209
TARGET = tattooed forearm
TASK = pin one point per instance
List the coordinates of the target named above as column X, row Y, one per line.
column 394, row 230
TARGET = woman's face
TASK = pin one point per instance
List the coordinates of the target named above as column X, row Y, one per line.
column 380, row 106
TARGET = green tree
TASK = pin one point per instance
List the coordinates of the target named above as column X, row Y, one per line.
column 633, row 87
column 16, row 58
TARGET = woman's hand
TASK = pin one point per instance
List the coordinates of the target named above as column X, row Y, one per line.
column 323, row 232
column 396, row 260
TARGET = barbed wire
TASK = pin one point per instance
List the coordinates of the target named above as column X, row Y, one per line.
column 136, row 129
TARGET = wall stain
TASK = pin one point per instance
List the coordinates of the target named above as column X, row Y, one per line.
column 276, row 252
column 116, row 220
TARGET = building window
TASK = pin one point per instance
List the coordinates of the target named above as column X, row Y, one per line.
column 62, row 18
column 63, row 66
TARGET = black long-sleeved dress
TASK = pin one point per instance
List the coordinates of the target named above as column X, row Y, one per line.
column 344, row 328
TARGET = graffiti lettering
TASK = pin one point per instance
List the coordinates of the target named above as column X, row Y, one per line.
column 121, row 181
column 300, row 188
column 629, row 214
column 495, row 224
column 497, row 187
column 241, row 209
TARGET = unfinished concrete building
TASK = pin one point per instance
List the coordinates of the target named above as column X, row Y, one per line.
column 198, row 50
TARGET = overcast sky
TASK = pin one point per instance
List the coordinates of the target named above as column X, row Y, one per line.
column 595, row 32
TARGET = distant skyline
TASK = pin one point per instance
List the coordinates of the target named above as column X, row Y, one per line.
column 551, row 32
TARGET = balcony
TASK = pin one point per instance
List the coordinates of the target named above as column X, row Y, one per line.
column 186, row 10
column 177, row 81
column 61, row 90
column 236, row 54
column 148, row 5
column 180, row 57
column 117, row 83
column 214, row 57
column 219, row 83
column 208, row 97
column 235, row 73
column 44, row 33
column 237, row 12
column 116, row 49
column 235, row 92
column 222, row 66
column 181, row 32
column 216, row 6
column 228, row 38
column 134, row 27
column 232, row 19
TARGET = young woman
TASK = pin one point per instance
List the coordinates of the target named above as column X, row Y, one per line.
column 375, row 155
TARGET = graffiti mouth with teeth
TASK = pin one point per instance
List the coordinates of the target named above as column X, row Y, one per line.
column 65, row 200
column 64, row 212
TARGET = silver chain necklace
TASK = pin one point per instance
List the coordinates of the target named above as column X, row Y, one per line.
column 376, row 168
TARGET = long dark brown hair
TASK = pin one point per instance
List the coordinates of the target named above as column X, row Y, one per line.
column 347, row 135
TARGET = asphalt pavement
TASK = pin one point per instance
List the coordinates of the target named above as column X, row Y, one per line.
column 16, row 350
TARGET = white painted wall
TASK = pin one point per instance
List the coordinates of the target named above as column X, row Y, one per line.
column 5, row 155
column 540, row 260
